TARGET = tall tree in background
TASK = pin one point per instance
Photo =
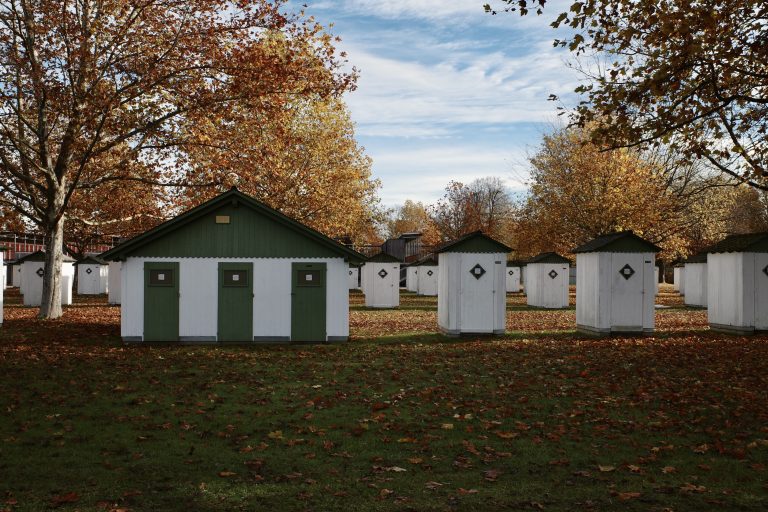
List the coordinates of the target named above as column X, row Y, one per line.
column 484, row 205
column 303, row 160
column 413, row 217
column 691, row 76
column 81, row 80
column 579, row 192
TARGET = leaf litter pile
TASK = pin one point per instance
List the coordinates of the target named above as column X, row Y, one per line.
column 542, row 419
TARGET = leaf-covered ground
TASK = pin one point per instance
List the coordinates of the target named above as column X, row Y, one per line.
column 398, row 419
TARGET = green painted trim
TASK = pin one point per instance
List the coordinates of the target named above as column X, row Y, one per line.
column 232, row 199
column 549, row 257
column 625, row 241
column 383, row 257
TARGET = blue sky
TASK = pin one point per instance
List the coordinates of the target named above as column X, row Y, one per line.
column 446, row 91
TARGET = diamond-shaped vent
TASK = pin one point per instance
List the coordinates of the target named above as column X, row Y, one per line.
column 429, row 272
column 350, row 272
column 383, row 273
column 477, row 271
column 511, row 272
column 552, row 274
column 627, row 271
column 88, row 271
column 765, row 270
column 40, row 272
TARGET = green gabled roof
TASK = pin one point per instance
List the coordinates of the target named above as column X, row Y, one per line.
column 549, row 257
column 383, row 257
column 92, row 260
column 474, row 242
column 752, row 242
column 40, row 256
column 252, row 229
column 517, row 263
column 624, row 241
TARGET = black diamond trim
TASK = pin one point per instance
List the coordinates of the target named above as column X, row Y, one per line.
column 511, row 272
column 552, row 274
column 477, row 271
column 88, row 271
column 429, row 272
column 383, row 273
column 765, row 270
column 627, row 271
column 40, row 272
column 350, row 272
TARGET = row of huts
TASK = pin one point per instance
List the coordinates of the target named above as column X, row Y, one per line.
column 233, row 269
column 93, row 277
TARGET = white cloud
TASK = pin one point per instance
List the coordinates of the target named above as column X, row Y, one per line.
column 410, row 98
column 422, row 174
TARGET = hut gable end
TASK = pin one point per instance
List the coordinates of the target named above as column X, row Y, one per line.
column 232, row 225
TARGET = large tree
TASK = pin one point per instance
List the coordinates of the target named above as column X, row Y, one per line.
column 83, row 80
column 303, row 160
column 484, row 204
column 692, row 76
column 413, row 217
column 578, row 191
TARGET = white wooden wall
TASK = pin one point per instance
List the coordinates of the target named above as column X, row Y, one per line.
column 676, row 278
column 606, row 302
column 412, row 279
column 427, row 284
column 33, row 283
column 115, row 282
column 737, row 291
column 353, row 273
column 382, row 292
column 512, row 279
column 695, row 282
column 94, row 283
column 466, row 305
column 198, row 288
column 543, row 290
column 16, row 277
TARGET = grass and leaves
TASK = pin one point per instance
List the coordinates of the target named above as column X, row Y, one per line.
column 400, row 418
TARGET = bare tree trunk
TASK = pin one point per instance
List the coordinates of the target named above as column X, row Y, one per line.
column 50, row 307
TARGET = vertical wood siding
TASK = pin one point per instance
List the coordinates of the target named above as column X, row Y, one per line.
column 32, row 288
column 545, row 292
column 427, row 284
column 695, row 281
column 114, row 282
column 382, row 292
column 198, row 288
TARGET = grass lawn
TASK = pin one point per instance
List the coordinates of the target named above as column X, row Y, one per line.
column 399, row 418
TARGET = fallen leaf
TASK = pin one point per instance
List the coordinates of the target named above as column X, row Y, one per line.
column 606, row 469
column 624, row 496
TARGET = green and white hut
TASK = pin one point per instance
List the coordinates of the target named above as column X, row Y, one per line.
column 471, row 295
column 233, row 270
column 429, row 271
column 32, row 271
column 737, row 284
column 382, row 281
column 616, row 289
column 92, row 276
column 548, row 277
column 695, row 279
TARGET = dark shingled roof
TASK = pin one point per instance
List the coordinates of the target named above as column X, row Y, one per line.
column 40, row 256
column 517, row 263
column 92, row 260
column 697, row 258
column 752, row 242
column 549, row 257
column 429, row 261
column 383, row 257
column 476, row 241
column 624, row 241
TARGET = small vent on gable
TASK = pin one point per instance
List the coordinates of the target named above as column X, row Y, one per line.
column 222, row 219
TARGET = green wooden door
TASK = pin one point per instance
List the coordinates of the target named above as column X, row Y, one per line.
column 235, row 302
column 308, row 302
column 161, row 301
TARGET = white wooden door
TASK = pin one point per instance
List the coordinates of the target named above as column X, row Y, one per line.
column 627, row 277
